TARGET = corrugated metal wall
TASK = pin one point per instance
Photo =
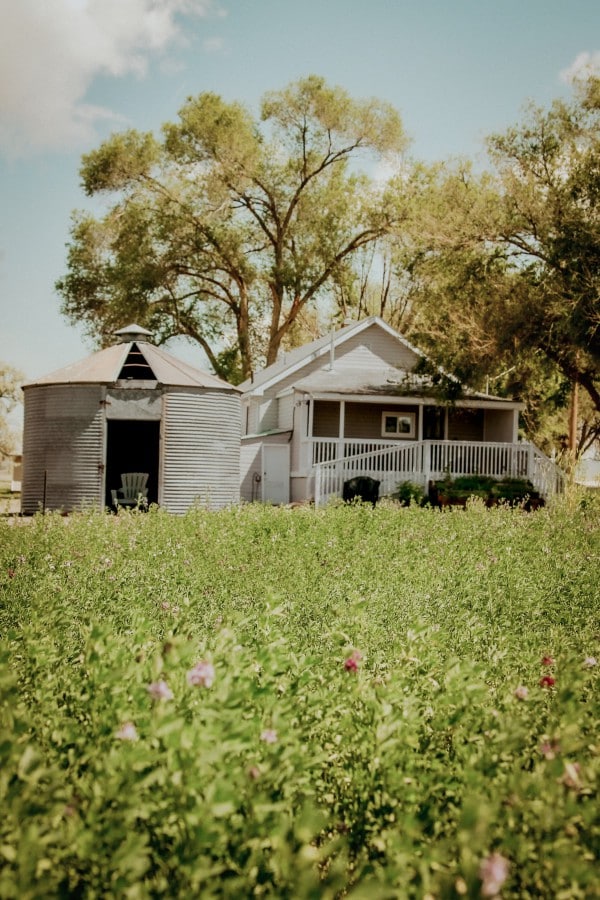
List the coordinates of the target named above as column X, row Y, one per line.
column 200, row 449
column 63, row 437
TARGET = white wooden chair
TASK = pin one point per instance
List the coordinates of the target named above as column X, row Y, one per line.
column 133, row 489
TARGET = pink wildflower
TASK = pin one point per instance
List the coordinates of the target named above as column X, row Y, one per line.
column 521, row 692
column 493, row 872
column 127, row 732
column 202, row 675
column 269, row 736
column 159, row 690
column 547, row 681
column 548, row 660
column 590, row 662
column 254, row 773
column 571, row 776
column 351, row 664
column 549, row 749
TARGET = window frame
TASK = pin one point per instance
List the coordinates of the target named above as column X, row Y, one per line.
column 411, row 417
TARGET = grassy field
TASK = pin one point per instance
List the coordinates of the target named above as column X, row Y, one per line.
column 380, row 703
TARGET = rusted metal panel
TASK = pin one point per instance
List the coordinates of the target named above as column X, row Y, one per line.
column 134, row 403
column 62, row 448
column 200, row 450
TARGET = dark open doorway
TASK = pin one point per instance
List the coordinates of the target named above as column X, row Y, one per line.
column 132, row 446
column 434, row 418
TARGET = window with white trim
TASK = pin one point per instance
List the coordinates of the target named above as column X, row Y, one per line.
column 399, row 425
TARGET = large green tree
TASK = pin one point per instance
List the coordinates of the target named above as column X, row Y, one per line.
column 10, row 396
column 505, row 265
column 227, row 227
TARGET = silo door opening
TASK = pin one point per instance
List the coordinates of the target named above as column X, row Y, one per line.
column 132, row 446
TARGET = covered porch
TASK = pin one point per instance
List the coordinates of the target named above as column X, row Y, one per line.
column 423, row 461
column 395, row 439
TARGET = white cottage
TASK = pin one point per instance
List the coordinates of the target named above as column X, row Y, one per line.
column 132, row 407
column 347, row 404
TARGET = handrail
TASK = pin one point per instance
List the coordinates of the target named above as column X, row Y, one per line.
column 422, row 461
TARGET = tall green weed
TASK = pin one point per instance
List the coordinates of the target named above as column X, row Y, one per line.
column 390, row 703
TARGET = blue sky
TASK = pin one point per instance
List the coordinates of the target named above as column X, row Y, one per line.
column 73, row 71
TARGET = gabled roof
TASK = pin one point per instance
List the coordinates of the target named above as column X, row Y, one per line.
column 295, row 360
column 377, row 378
column 106, row 367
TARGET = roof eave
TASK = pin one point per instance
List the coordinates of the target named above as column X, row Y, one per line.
column 340, row 337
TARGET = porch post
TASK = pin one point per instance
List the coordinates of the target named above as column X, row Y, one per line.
column 318, row 486
column 515, row 428
column 341, row 429
column 309, row 433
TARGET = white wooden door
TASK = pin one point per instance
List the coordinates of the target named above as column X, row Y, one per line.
column 276, row 473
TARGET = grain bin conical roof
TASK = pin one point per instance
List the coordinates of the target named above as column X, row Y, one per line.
column 109, row 366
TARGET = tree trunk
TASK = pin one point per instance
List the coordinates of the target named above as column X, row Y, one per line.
column 573, row 417
column 243, row 333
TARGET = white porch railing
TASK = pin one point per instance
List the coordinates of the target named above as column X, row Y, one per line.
column 422, row 461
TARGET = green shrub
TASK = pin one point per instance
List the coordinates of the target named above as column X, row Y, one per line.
column 408, row 492
column 491, row 490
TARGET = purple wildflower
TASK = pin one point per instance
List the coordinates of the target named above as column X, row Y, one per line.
column 202, row 675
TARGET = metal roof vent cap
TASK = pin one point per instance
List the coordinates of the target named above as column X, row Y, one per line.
column 133, row 333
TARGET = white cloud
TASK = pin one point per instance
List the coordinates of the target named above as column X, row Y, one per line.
column 51, row 50
column 584, row 64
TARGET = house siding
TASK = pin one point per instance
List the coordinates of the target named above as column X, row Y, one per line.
column 251, row 464
column 363, row 351
column 268, row 415
column 364, row 420
column 373, row 342
column 286, row 412
column 498, row 425
column 465, row 424
column 326, row 418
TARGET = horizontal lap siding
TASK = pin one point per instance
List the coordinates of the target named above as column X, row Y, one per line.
column 365, row 351
column 363, row 420
column 62, row 442
column 465, row 425
column 250, row 470
column 286, row 412
column 326, row 418
column 200, row 450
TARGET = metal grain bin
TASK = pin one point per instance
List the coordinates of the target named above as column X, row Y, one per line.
column 130, row 408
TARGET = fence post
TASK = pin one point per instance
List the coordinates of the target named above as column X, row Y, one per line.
column 426, row 464
column 317, row 486
column 530, row 462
